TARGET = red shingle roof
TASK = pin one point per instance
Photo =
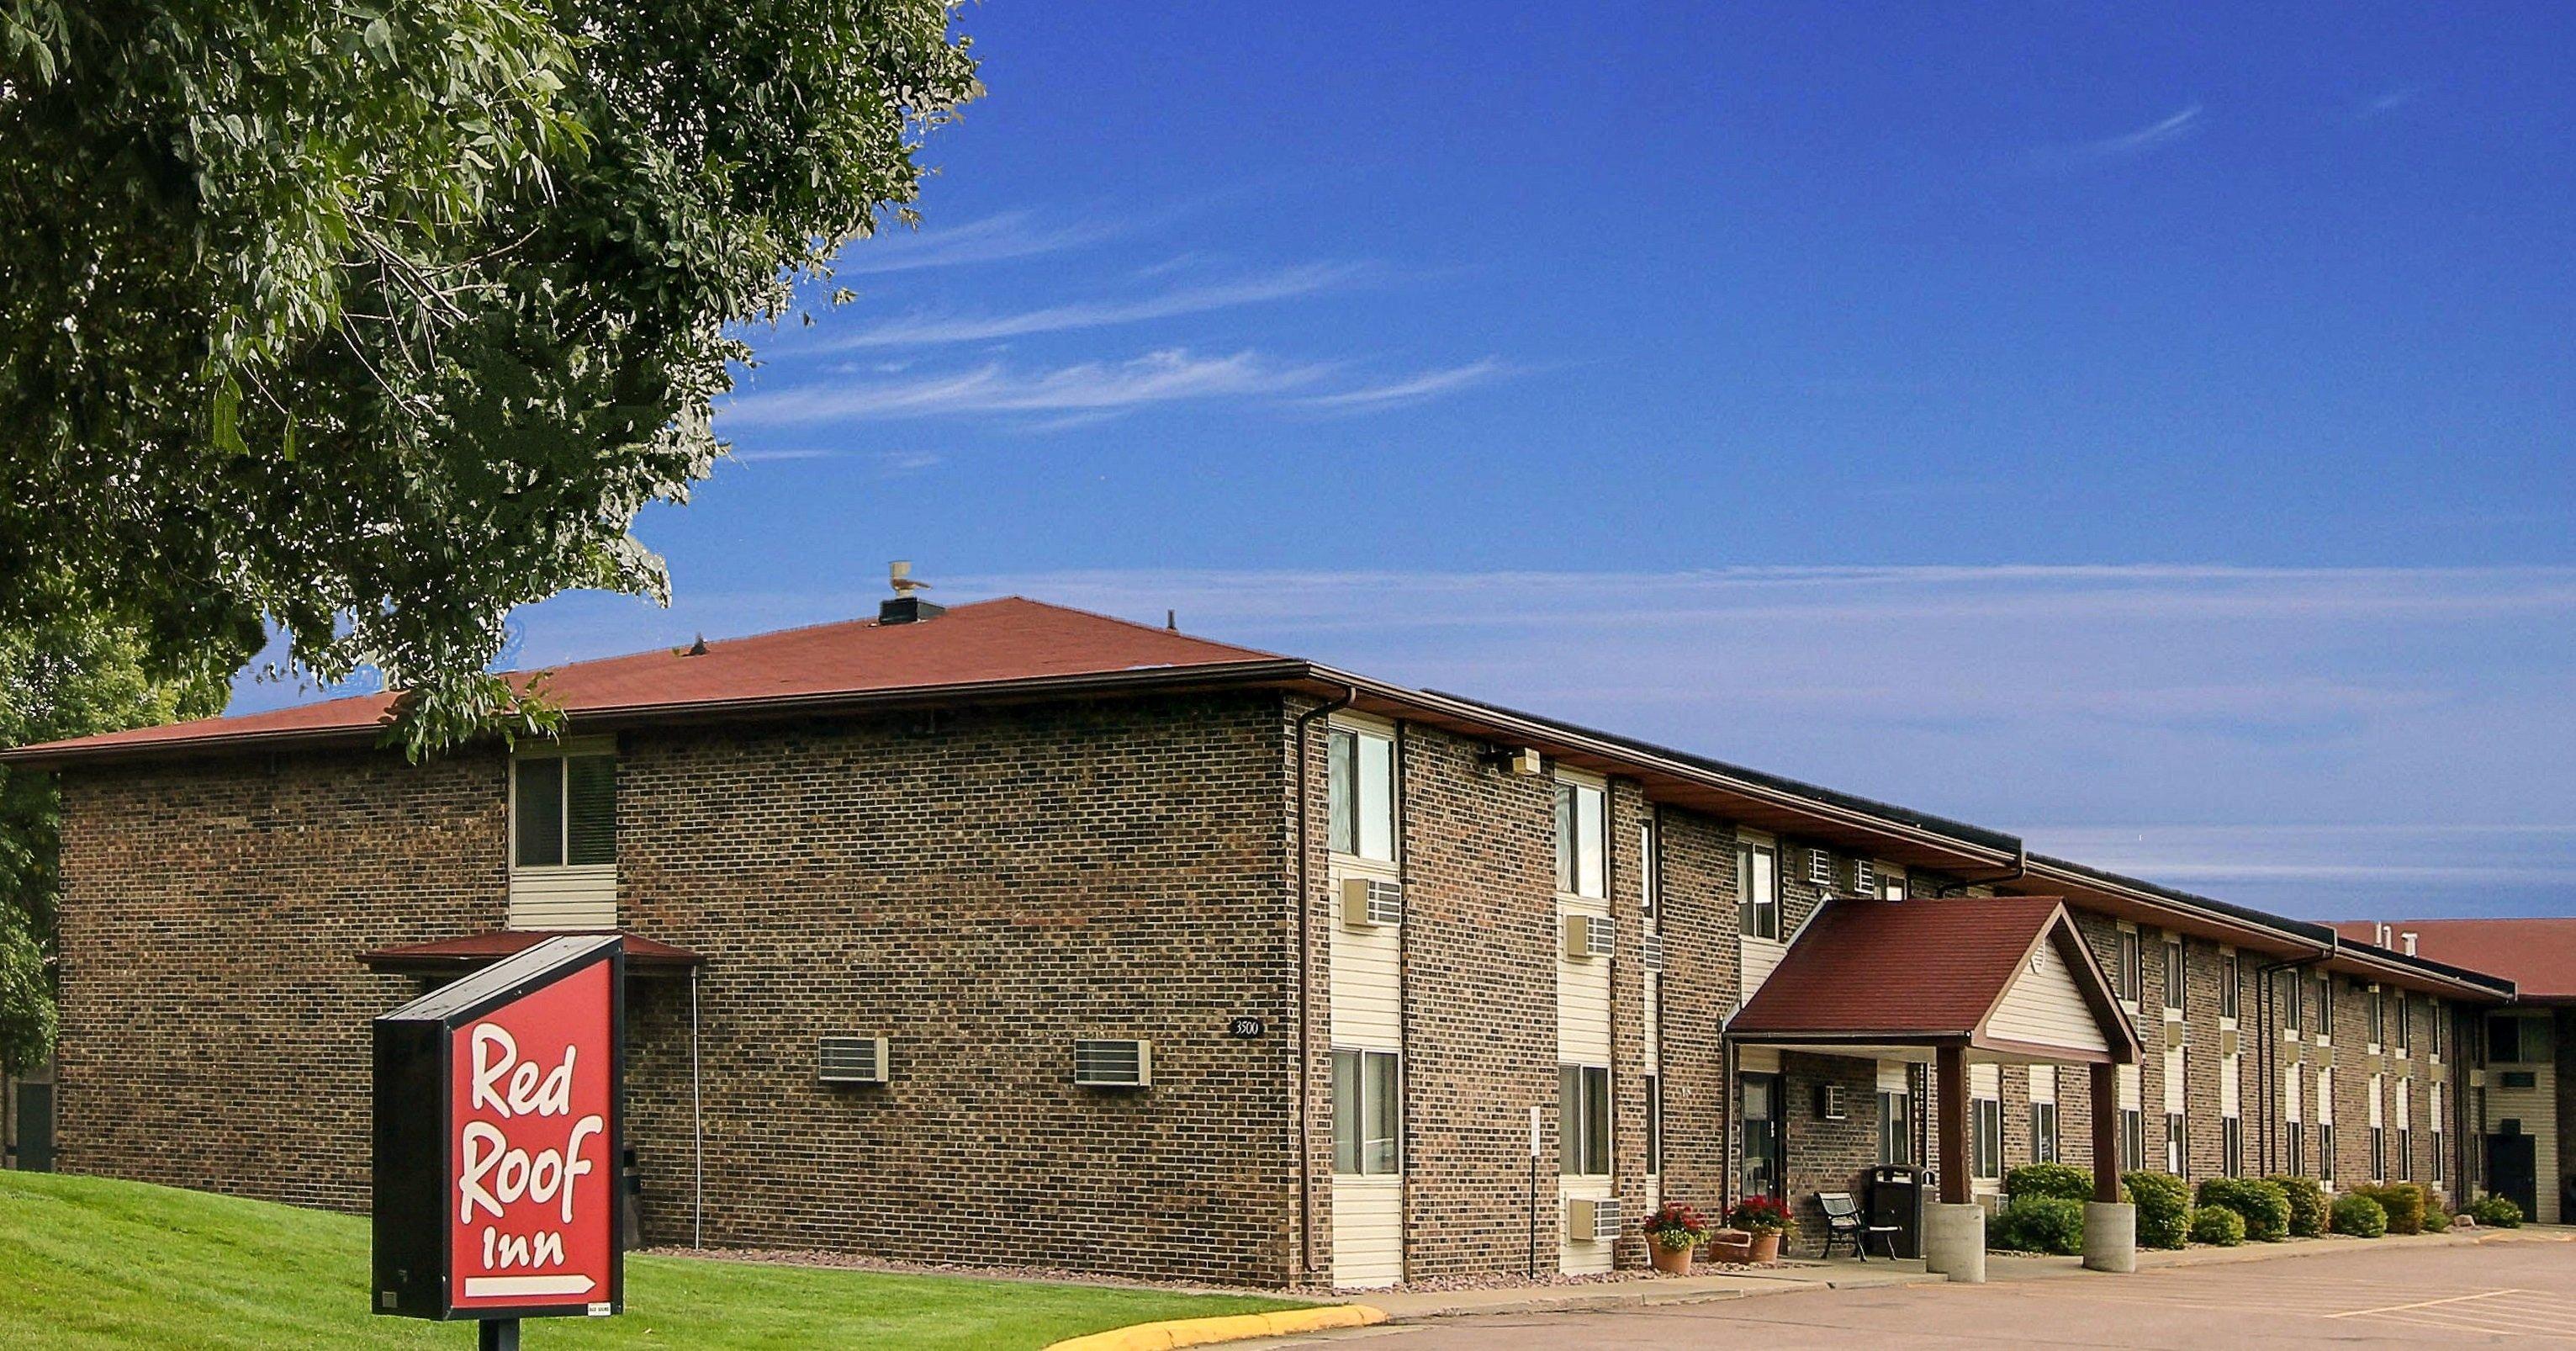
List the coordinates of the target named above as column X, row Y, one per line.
column 989, row 642
column 1915, row 970
column 2537, row 955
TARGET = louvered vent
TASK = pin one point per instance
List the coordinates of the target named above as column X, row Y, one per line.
column 1820, row 867
column 1370, row 903
column 1113, row 1064
column 1653, row 953
column 851, row 1060
column 1864, row 877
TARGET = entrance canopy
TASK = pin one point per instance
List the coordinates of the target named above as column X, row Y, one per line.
column 2004, row 978
column 455, row 956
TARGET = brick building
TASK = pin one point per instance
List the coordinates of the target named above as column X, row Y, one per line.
column 1188, row 961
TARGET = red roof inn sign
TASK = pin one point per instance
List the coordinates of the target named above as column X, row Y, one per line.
column 497, row 1125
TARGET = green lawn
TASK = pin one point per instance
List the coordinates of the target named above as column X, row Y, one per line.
column 86, row 1262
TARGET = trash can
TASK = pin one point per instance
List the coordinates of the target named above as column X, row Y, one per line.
column 1896, row 1195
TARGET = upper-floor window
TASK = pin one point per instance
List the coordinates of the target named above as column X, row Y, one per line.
column 1361, row 794
column 2173, row 974
column 2401, row 1039
column 563, row 808
column 1647, row 867
column 2378, row 1018
column 2292, row 996
column 1579, row 833
column 2325, row 1006
column 2132, row 959
column 1891, row 885
column 2504, row 1039
column 2441, row 1032
column 2230, row 999
column 1757, row 881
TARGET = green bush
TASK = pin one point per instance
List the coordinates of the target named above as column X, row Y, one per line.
column 2359, row 1216
column 2062, row 1181
column 2261, row 1201
column 2219, row 1225
column 2496, row 1210
column 2402, row 1201
column 2164, row 1208
column 2049, row 1224
column 2307, row 1204
column 2436, row 1220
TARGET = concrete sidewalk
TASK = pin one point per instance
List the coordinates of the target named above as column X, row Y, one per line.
column 1409, row 1305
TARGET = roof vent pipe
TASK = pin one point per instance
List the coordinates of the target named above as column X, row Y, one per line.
column 2407, row 939
column 905, row 607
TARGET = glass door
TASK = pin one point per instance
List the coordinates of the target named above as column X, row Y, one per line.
column 1759, row 1097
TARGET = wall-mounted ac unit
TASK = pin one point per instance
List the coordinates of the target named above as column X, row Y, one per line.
column 1829, row 1103
column 2177, row 1034
column 851, row 1060
column 1653, row 954
column 2477, row 1076
column 1589, row 936
column 1113, row 1064
column 1370, row 903
column 1820, row 867
column 1591, row 1221
column 2227, row 1041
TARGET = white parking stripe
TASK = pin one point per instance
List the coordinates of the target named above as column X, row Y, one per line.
column 2425, row 1303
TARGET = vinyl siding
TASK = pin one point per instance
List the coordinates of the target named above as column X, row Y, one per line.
column 2046, row 1007
column 564, row 898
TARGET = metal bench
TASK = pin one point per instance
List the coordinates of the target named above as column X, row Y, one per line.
column 1843, row 1221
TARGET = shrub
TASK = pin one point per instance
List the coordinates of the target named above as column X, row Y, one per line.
column 2307, row 1204
column 2164, row 1208
column 2049, row 1224
column 2062, row 1181
column 2262, row 1202
column 2219, row 1225
column 2436, row 1221
column 2403, row 1204
column 2499, row 1211
column 2358, row 1215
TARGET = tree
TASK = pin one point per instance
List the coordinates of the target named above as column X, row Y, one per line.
column 68, row 677
column 374, row 320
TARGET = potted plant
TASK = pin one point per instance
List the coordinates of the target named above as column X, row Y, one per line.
column 1766, row 1219
column 1671, row 1233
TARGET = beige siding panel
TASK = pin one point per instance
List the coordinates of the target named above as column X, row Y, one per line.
column 1368, row 1231
column 2231, row 1085
column 2537, row 1106
column 1757, row 1060
column 1583, row 995
column 564, row 898
column 2046, row 1007
column 1755, row 958
column 1367, row 994
column 1589, row 1256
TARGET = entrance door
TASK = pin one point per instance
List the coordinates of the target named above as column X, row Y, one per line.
column 35, row 1128
column 1761, row 1103
column 2513, row 1172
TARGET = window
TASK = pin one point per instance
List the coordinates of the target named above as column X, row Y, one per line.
column 2403, row 1038
column 2231, row 1145
column 2131, row 977
column 2378, row 1018
column 2173, row 975
column 2043, row 1132
column 1367, row 1093
column 1891, row 886
column 2325, row 1151
column 2325, row 1006
column 2436, row 1104
column 2405, row 1154
column 1986, row 1147
column 2441, row 1029
column 564, row 809
column 1757, row 874
column 2292, row 995
column 1583, row 1119
column 2298, row 1154
column 1578, row 839
column 1647, row 868
column 1761, row 1103
column 2504, row 1039
column 2174, row 1143
column 1361, row 794
column 1895, row 1127
column 1654, row 1125
column 2378, row 1154
column 2230, row 999
column 2133, row 1139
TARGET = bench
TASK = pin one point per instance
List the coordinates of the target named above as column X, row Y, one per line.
column 1843, row 1221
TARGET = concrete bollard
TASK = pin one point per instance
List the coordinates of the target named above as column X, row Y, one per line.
column 2110, row 1236
column 1954, row 1242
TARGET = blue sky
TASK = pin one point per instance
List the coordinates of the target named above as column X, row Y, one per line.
column 2147, row 432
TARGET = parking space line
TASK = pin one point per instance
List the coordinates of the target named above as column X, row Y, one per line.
column 2426, row 1303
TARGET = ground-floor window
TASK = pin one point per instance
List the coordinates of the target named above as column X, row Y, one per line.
column 2173, row 1143
column 2438, row 1170
column 1986, row 1148
column 1895, row 1127
column 2231, row 1145
column 2043, row 1132
column 1654, row 1125
column 2405, row 1154
column 1583, row 1119
column 2298, row 1157
column 2325, row 1151
column 2133, row 1138
column 1760, row 1099
column 2378, row 1154
column 1367, row 1093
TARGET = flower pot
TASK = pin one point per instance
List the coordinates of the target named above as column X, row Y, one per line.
column 1766, row 1247
column 1730, row 1245
column 1671, row 1261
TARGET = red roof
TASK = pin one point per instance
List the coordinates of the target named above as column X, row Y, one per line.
column 483, row 949
column 2537, row 955
column 1912, row 971
column 1009, row 640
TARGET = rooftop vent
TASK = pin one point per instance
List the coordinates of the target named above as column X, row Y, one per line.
column 905, row 607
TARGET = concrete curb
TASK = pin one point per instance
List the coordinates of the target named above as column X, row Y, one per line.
column 1224, row 1328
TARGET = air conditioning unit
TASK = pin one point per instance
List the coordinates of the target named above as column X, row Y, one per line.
column 851, row 1060
column 2177, row 1034
column 1591, row 1221
column 1113, row 1064
column 1820, row 868
column 1653, row 953
column 2477, row 1076
column 1369, row 903
column 1589, row 936
column 1829, row 1103
column 2227, row 1041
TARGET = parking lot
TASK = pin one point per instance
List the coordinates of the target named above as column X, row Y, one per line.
column 2513, row 1291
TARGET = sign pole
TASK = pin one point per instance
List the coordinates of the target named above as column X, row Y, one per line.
column 498, row 1334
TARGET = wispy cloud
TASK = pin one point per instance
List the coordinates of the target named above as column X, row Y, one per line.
column 2389, row 102
column 1410, row 389
column 996, row 238
column 779, row 456
column 2127, row 145
column 1172, row 375
column 926, row 329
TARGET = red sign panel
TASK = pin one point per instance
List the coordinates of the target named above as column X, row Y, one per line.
column 497, row 1186
column 528, row 1103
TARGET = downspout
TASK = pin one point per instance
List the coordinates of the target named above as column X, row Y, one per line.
column 1305, row 977
column 697, row 1126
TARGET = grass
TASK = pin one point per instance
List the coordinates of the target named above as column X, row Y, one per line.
column 87, row 1262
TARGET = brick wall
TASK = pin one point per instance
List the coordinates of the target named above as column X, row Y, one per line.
column 1826, row 1155
column 1698, row 905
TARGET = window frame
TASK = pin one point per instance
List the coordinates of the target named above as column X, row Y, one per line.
column 1756, row 916
column 1581, row 863
column 2231, row 1145
column 1348, row 808
column 2130, row 959
column 1366, row 1092
column 1895, row 1127
column 2325, row 1151
column 2177, row 974
column 2403, row 1044
column 2043, row 1132
column 2231, row 996
column 1584, row 1112
column 1986, row 1139
column 2378, row 1154
column 561, row 756
column 2133, row 1138
column 1654, row 1124
column 2325, row 1009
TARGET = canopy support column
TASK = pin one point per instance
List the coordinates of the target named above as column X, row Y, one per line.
column 1954, row 1232
column 2110, row 1228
